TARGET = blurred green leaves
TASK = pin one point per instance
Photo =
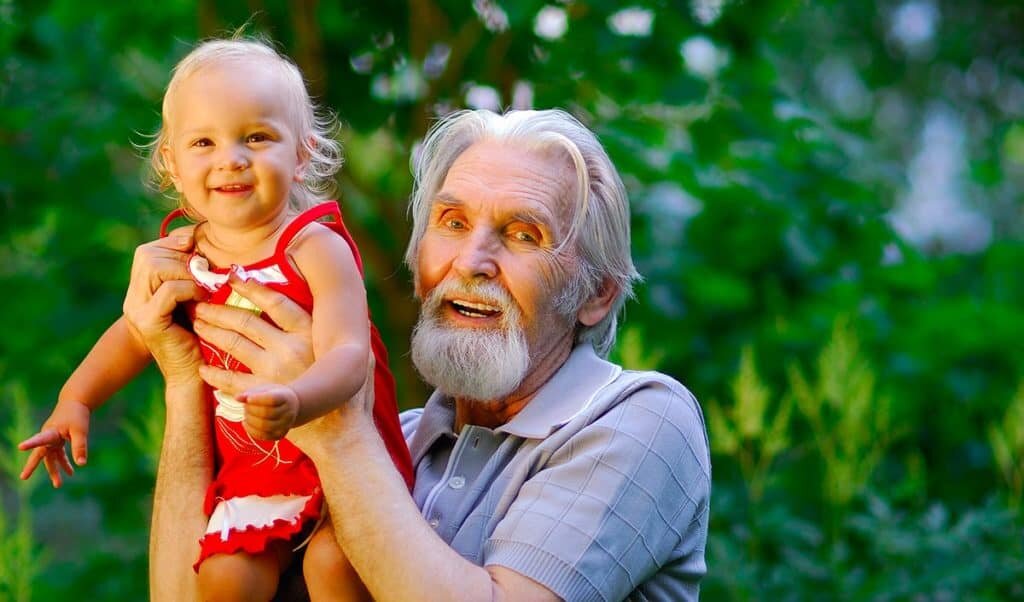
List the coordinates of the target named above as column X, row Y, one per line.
column 22, row 558
column 1007, row 440
column 766, row 147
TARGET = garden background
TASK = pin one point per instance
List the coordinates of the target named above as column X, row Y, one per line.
column 826, row 208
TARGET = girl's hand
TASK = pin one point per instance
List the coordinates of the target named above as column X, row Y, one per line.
column 270, row 411
column 355, row 416
column 68, row 422
column 275, row 354
column 159, row 282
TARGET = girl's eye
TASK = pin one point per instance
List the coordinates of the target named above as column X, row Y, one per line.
column 254, row 138
column 203, row 142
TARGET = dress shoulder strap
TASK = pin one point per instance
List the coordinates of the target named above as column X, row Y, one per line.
column 173, row 215
column 332, row 213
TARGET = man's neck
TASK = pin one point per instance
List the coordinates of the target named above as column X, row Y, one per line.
column 494, row 413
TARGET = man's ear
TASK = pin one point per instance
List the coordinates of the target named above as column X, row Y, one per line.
column 172, row 167
column 599, row 304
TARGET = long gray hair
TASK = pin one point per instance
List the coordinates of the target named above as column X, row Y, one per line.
column 599, row 232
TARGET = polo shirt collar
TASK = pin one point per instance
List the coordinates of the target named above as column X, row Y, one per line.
column 436, row 421
column 566, row 394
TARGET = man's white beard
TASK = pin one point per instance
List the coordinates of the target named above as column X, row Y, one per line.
column 471, row 363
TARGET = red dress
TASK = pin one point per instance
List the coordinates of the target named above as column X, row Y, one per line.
column 269, row 490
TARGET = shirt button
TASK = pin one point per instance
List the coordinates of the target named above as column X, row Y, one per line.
column 457, row 482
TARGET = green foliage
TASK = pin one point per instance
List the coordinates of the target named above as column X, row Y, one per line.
column 1007, row 441
column 633, row 354
column 763, row 181
column 745, row 430
column 146, row 430
column 850, row 425
column 22, row 559
column 883, row 554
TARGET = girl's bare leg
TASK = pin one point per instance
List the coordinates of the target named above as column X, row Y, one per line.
column 243, row 577
column 329, row 576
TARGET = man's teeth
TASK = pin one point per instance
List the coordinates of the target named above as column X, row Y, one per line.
column 475, row 310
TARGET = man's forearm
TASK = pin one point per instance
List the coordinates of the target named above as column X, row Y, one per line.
column 183, row 474
column 381, row 531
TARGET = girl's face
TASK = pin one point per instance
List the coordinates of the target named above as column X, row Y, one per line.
column 232, row 150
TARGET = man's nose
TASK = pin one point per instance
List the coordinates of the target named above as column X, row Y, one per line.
column 477, row 256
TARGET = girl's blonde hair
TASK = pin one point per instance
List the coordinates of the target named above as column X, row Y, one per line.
column 315, row 128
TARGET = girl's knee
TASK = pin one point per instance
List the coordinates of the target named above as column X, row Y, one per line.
column 324, row 559
column 229, row 577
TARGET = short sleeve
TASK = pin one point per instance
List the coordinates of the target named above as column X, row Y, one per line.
column 623, row 498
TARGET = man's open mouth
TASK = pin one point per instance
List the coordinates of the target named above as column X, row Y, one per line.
column 474, row 310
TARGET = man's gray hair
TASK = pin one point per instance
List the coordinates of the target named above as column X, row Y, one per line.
column 599, row 231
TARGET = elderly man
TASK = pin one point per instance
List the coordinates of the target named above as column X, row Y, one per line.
column 543, row 471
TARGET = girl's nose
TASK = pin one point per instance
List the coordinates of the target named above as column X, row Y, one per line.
column 233, row 158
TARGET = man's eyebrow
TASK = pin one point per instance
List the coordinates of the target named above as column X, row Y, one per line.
column 533, row 217
column 449, row 199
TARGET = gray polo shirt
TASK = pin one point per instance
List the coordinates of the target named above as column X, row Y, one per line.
column 598, row 488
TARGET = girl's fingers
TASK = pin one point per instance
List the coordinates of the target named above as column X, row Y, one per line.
column 51, row 468
column 43, row 438
column 64, row 462
column 32, row 462
column 79, row 444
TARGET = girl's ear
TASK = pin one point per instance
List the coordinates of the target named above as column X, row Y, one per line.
column 302, row 161
column 599, row 304
column 167, row 154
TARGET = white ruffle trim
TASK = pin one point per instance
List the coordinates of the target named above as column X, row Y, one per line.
column 200, row 269
column 241, row 513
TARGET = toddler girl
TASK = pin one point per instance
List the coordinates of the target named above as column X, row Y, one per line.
column 243, row 145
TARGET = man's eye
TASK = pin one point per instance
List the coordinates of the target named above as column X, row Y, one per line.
column 523, row 236
column 455, row 224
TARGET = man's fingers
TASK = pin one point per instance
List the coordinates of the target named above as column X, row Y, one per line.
column 228, row 381
column 43, row 438
column 287, row 314
column 231, row 331
column 173, row 292
column 153, row 316
column 80, row 445
column 162, row 260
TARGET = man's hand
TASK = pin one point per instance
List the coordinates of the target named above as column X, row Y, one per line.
column 331, row 428
column 270, row 411
column 275, row 354
column 68, row 422
column 159, row 282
